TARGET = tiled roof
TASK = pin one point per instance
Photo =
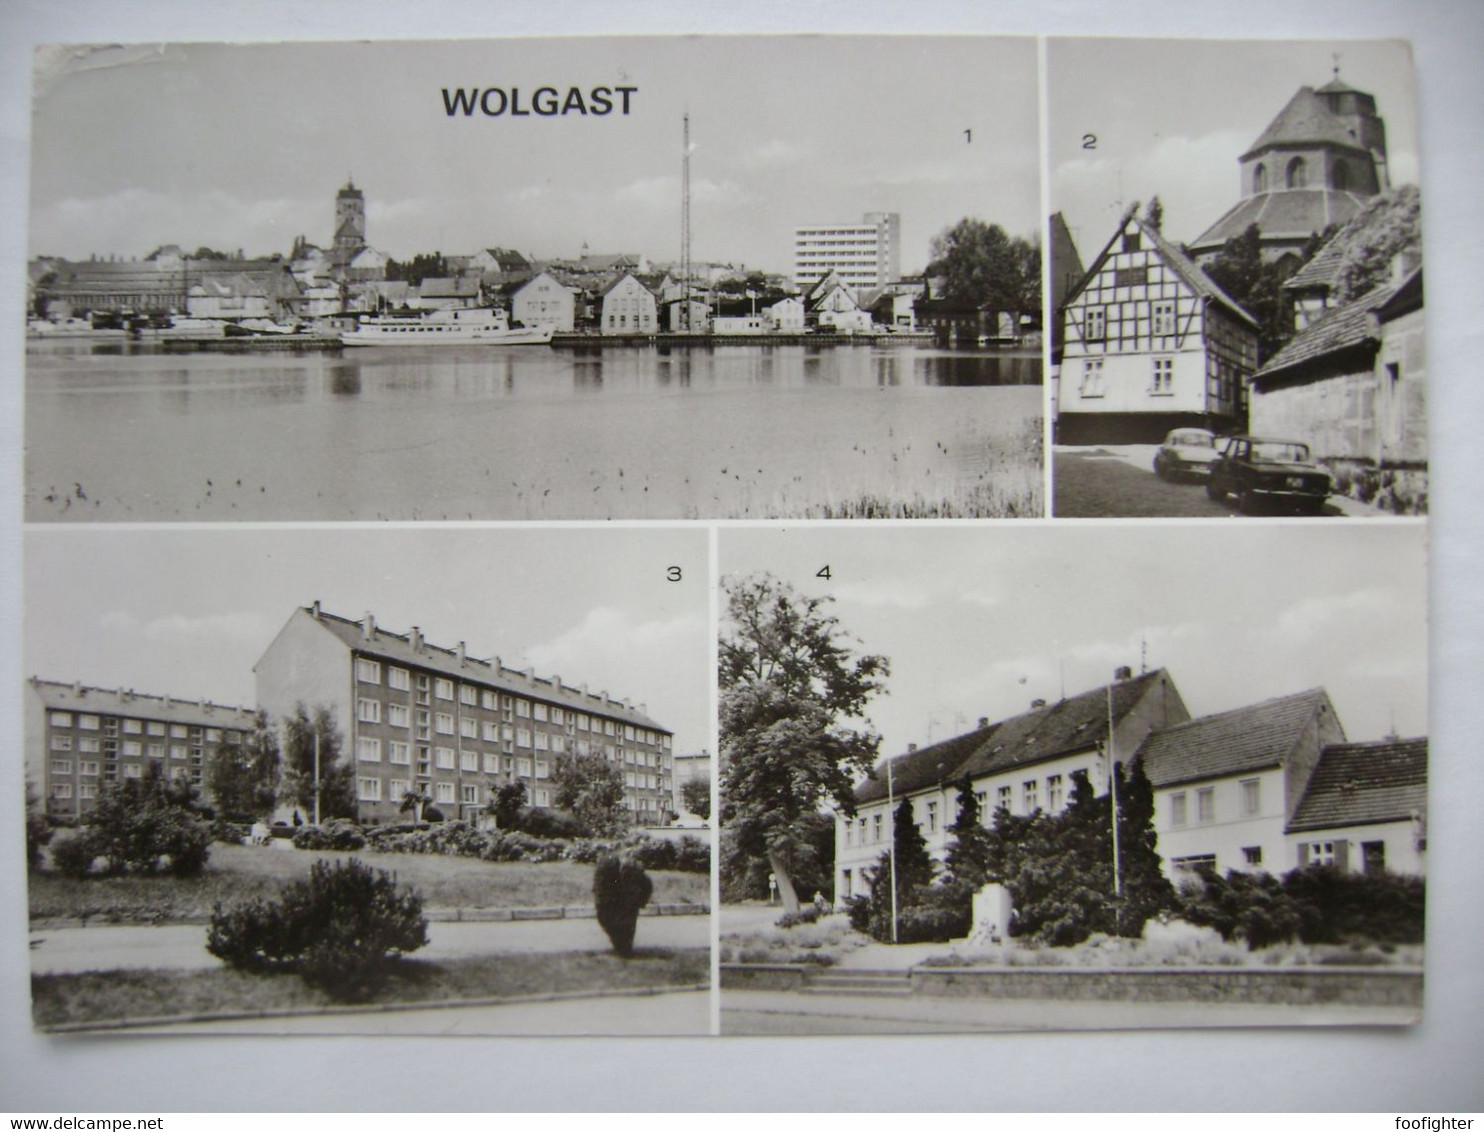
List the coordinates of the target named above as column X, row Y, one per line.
column 1306, row 119
column 1354, row 324
column 1292, row 213
column 1058, row 729
column 398, row 647
column 448, row 287
column 1323, row 270
column 56, row 696
column 1360, row 783
column 1230, row 742
column 1194, row 277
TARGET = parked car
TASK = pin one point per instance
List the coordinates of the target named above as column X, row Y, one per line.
column 1260, row 471
column 1186, row 452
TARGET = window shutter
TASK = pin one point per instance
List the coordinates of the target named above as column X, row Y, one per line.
column 1342, row 856
column 1303, row 853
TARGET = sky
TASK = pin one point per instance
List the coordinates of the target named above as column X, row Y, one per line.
column 1172, row 117
column 188, row 613
column 979, row 621
column 246, row 146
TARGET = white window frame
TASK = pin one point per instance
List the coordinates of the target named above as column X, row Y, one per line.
column 396, row 748
column 398, row 679
column 368, row 711
column 368, row 789
column 443, row 688
column 444, row 758
column 443, row 722
column 1251, row 797
column 368, row 750
column 1092, row 386
column 368, row 671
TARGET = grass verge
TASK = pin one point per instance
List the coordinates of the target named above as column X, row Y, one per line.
column 105, row 996
column 238, row 873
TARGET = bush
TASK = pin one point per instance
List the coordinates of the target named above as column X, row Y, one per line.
column 805, row 915
column 38, row 833
column 228, row 833
column 541, row 822
column 337, row 834
column 73, row 853
column 692, row 855
column 1337, row 906
column 340, row 930
column 186, row 842
column 1248, row 906
column 620, row 888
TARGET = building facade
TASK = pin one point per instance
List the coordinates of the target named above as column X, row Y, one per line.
column 867, row 254
column 1150, row 343
column 544, row 301
column 418, row 717
column 1026, row 763
column 1226, row 785
column 628, row 307
column 79, row 739
column 1364, row 809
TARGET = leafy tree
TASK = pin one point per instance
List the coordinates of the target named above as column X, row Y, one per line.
column 415, row 802
column 337, row 796
column 38, row 829
column 789, row 684
column 425, row 265
column 1154, row 214
column 138, row 824
column 591, row 787
column 507, row 804
column 984, row 266
column 969, row 849
column 620, row 888
column 1386, row 226
column 242, row 778
column 1257, row 287
column 695, row 795
column 914, row 871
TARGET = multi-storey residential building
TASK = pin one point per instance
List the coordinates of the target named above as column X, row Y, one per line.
column 1150, row 343
column 78, row 739
column 629, row 307
column 868, row 254
column 420, row 717
column 1022, row 764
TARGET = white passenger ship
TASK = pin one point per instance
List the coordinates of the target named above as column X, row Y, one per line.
column 445, row 328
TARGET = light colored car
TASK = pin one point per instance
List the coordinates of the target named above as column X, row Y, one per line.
column 1186, row 452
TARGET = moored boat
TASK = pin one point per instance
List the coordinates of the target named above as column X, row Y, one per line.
column 445, row 328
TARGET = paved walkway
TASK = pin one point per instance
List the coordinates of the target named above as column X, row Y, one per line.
column 675, row 1012
column 786, row 1012
column 182, row 947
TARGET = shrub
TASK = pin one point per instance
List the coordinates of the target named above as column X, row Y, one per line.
column 692, row 855
column 653, row 852
column 620, row 888
column 858, row 908
column 186, row 842
column 341, row 929
column 1249, row 906
column 1337, row 906
column 73, row 853
column 805, row 915
column 337, row 834
column 38, row 830
column 541, row 822
column 228, row 833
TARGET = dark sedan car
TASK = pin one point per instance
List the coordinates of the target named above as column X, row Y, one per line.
column 1261, row 472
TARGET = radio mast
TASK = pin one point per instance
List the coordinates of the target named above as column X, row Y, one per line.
column 685, row 225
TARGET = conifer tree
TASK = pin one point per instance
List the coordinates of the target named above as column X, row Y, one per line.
column 971, row 849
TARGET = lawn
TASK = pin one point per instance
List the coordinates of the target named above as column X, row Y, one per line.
column 106, row 996
column 238, row 872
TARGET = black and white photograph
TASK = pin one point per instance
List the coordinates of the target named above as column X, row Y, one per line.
column 680, row 278
column 1073, row 778
column 282, row 781
column 1236, row 276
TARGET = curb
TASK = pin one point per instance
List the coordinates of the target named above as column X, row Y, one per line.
column 375, row 1008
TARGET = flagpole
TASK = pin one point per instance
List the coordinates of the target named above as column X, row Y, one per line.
column 891, row 809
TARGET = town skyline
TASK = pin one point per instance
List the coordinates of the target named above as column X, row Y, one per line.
column 1222, row 614
column 189, row 614
column 196, row 163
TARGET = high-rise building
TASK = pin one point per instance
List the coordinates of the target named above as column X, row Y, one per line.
column 421, row 718
column 78, row 739
column 863, row 255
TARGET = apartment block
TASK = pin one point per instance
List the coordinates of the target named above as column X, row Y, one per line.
column 79, row 738
column 864, row 255
column 420, row 716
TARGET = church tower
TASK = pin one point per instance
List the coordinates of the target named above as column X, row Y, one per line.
column 1316, row 164
column 350, row 222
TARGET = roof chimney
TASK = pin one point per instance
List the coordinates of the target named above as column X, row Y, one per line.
column 1037, row 704
column 499, row 665
column 1121, row 673
column 77, row 687
column 983, row 722
column 314, row 609
column 415, row 638
column 368, row 627
column 911, row 748
column 461, row 653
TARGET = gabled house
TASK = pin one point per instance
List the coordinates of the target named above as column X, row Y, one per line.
column 1226, row 785
column 1022, row 764
column 441, row 293
column 544, row 300
column 1353, row 385
column 831, row 305
column 1364, row 809
column 786, row 316
column 1150, row 343
column 499, row 264
column 628, row 307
